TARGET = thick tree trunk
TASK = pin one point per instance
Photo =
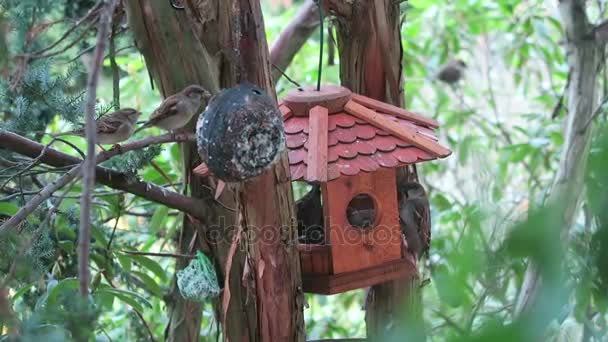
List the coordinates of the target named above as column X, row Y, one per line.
column 583, row 58
column 369, row 42
column 223, row 43
column 159, row 33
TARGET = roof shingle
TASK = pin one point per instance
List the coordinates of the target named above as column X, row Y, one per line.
column 366, row 135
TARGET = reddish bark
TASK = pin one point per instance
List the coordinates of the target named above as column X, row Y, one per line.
column 229, row 47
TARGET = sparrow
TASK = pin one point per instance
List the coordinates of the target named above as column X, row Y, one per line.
column 113, row 128
column 177, row 110
column 415, row 218
column 361, row 218
column 452, row 71
column 309, row 213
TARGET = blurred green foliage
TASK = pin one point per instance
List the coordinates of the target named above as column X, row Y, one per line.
column 488, row 199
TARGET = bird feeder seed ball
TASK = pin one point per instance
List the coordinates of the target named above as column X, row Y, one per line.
column 240, row 134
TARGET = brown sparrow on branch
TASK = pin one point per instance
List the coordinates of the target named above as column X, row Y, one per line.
column 113, row 128
column 415, row 215
column 177, row 110
column 452, row 71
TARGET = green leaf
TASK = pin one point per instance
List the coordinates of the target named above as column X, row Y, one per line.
column 125, row 261
column 149, row 283
column 158, row 219
column 8, row 209
column 99, row 236
column 133, row 299
column 67, row 246
column 22, row 291
column 106, row 299
column 64, row 285
column 151, row 265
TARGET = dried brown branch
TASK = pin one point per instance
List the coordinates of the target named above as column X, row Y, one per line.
column 42, row 196
column 113, row 179
column 293, row 37
column 90, row 162
column 93, row 11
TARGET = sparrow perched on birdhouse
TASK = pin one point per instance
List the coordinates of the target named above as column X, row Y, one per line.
column 113, row 128
column 452, row 71
column 415, row 217
column 178, row 109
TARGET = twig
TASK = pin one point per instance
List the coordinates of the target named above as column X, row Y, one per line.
column 113, row 179
column 163, row 255
column 69, row 46
column 109, row 246
column 595, row 114
column 494, row 106
column 560, row 100
column 30, row 166
column 478, row 304
column 137, row 313
column 91, row 12
column 44, row 194
column 115, row 71
column 35, row 235
column 449, row 321
column 88, row 169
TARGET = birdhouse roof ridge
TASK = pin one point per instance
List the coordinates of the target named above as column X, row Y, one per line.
column 346, row 136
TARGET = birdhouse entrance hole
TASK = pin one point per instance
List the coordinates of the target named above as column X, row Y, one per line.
column 361, row 212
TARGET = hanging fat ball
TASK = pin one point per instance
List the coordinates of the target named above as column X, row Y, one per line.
column 452, row 71
column 198, row 281
column 178, row 109
column 112, row 128
column 415, row 218
column 309, row 213
column 240, row 134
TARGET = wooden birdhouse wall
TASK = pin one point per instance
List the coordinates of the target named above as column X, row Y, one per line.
column 355, row 248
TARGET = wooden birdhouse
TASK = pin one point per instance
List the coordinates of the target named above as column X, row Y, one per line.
column 348, row 147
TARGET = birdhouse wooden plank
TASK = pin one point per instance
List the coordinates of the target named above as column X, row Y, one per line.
column 369, row 239
column 317, row 133
column 348, row 146
column 393, row 110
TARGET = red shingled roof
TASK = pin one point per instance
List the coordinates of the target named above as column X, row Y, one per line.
column 361, row 136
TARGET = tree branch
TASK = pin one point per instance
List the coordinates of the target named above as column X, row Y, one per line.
column 583, row 59
column 88, row 168
column 113, row 179
column 293, row 37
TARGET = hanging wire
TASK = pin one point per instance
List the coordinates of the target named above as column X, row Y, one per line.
column 291, row 80
column 321, row 36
